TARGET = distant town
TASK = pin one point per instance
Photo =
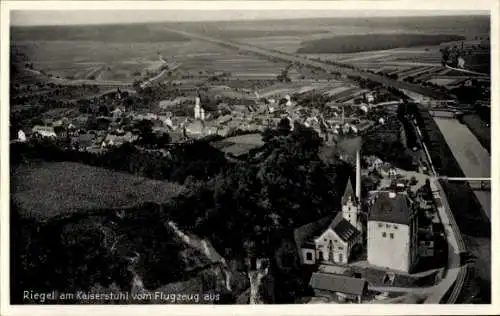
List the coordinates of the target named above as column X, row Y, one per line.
column 236, row 166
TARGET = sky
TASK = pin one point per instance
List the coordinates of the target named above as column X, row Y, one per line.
column 105, row 16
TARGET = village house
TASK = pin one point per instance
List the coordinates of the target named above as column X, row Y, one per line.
column 374, row 163
column 344, row 288
column 116, row 140
column 393, row 232
column 195, row 129
column 386, row 170
column 44, row 131
column 21, row 136
column 117, row 113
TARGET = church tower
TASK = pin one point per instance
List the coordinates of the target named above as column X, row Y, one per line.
column 350, row 205
column 197, row 109
column 351, row 200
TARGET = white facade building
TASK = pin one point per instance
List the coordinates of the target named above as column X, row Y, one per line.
column 44, row 131
column 21, row 136
column 392, row 232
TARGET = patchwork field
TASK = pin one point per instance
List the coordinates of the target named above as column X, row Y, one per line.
column 124, row 52
column 239, row 66
column 128, row 61
column 52, row 189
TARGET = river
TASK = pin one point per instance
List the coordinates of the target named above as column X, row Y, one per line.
column 473, row 159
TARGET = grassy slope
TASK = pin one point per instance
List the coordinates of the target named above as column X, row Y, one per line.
column 52, row 189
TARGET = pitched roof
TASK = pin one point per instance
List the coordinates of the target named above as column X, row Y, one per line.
column 391, row 209
column 304, row 234
column 343, row 228
column 337, row 283
column 41, row 128
column 195, row 127
column 348, row 193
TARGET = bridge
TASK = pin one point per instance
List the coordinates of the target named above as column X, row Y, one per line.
column 444, row 112
column 479, row 184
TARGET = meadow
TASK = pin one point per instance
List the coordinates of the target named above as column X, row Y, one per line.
column 48, row 190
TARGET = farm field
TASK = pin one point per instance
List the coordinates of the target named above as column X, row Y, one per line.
column 126, row 62
column 293, row 87
column 48, row 190
column 124, row 33
column 371, row 42
column 239, row 66
column 99, row 52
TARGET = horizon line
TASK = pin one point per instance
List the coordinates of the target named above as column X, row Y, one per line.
column 418, row 14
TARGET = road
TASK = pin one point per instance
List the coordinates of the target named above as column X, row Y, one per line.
column 78, row 82
column 473, row 159
column 316, row 64
column 159, row 76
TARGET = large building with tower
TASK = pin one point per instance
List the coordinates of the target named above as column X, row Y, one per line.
column 391, row 230
column 333, row 240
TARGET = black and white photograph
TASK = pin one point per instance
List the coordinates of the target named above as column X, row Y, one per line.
column 246, row 156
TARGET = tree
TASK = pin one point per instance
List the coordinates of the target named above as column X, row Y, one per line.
column 103, row 110
column 284, row 126
column 145, row 128
column 445, row 54
column 163, row 140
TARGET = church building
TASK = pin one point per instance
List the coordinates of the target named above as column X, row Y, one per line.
column 332, row 241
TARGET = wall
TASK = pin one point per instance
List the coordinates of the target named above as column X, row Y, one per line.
column 322, row 245
column 303, row 256
column 386, row 252
column 350, row 213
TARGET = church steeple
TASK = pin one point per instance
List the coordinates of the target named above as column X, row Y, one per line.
column 351, row 206
column 349, row 194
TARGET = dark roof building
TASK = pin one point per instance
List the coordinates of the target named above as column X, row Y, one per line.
column 338, row 283
column 391, row 207
column 343, row 228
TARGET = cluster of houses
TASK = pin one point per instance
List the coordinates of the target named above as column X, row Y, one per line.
column 382, row 230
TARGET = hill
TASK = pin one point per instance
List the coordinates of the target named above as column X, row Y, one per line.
column 50, row 190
